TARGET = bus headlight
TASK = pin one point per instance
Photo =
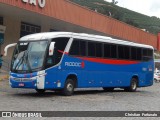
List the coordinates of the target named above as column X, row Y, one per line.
column 11, row 77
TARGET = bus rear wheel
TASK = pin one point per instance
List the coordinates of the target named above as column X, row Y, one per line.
column 133, row 85
column 40, row 91
column 108, row 89
column 68, row 88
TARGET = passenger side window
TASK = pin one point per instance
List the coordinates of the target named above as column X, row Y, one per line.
column 147, row 54
column 99, row 48
column 91, row 49
column 78, row 48
column 82, row 48
column 110, row 50
column 126, row 52
column 139, row 53
column 75, row 47
column 121, row 52
column 107, row 51
column 133, row 53
column 150, row 52
column 136, row 53
column 113, row 51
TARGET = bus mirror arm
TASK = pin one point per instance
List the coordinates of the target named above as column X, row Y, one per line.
column 8, row 46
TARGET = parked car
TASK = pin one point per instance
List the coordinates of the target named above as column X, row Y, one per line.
column 157, row 77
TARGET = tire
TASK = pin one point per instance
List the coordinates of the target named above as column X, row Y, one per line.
column 68, row 89
column 40, row 91
column 133, row 85
column 108, row 89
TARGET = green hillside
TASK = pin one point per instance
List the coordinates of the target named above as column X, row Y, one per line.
column 151, row 24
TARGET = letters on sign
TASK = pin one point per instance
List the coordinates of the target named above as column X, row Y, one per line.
column 40, row 3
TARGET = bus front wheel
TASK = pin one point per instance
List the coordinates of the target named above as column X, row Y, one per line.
column 133, row 85
column 68, row 88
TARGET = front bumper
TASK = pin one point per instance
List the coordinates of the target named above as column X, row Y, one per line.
column 31, row 80
column 23, row 84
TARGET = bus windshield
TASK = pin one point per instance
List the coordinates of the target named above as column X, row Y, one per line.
column 29, row 56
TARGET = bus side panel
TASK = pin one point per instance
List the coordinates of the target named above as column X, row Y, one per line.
column 116, row 79
column 74, row 66
column 51, row 78
column 56, row 77
column 147, row 74
column 94, row 74
column 109, row 75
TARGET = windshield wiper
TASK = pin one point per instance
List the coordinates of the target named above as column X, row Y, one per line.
column 28, row 64
column 21, row 61
column 39, row 68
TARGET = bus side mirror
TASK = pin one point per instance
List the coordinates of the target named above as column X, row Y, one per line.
column 51, row 48
column 8, row 46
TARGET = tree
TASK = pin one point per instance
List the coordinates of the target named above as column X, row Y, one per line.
column 114, row 2
column 132, row 22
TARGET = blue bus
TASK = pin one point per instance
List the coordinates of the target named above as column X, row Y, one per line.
column 63, row 61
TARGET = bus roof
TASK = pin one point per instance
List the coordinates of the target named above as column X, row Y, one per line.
column 98, row 38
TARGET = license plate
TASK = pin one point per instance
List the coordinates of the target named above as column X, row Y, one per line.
column 21, row 84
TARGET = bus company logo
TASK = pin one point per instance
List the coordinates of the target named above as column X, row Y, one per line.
column 75, row 64
column 82, row 64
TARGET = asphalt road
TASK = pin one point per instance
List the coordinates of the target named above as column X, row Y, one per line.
column 145, row 99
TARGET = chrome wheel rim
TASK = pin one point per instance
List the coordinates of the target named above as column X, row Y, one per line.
column 69, row 87
column 134, row 85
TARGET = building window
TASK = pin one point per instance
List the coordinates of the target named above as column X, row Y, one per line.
column 1, row 20
column 27, row 29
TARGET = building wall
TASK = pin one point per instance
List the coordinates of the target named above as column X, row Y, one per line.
column 77, row 15
column 45, row 27
column 12, row 33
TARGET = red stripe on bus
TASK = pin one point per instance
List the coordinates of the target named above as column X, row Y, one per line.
column 63, row 52
column 108, row 61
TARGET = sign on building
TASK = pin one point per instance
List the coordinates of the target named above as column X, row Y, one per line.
column 40, row 3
